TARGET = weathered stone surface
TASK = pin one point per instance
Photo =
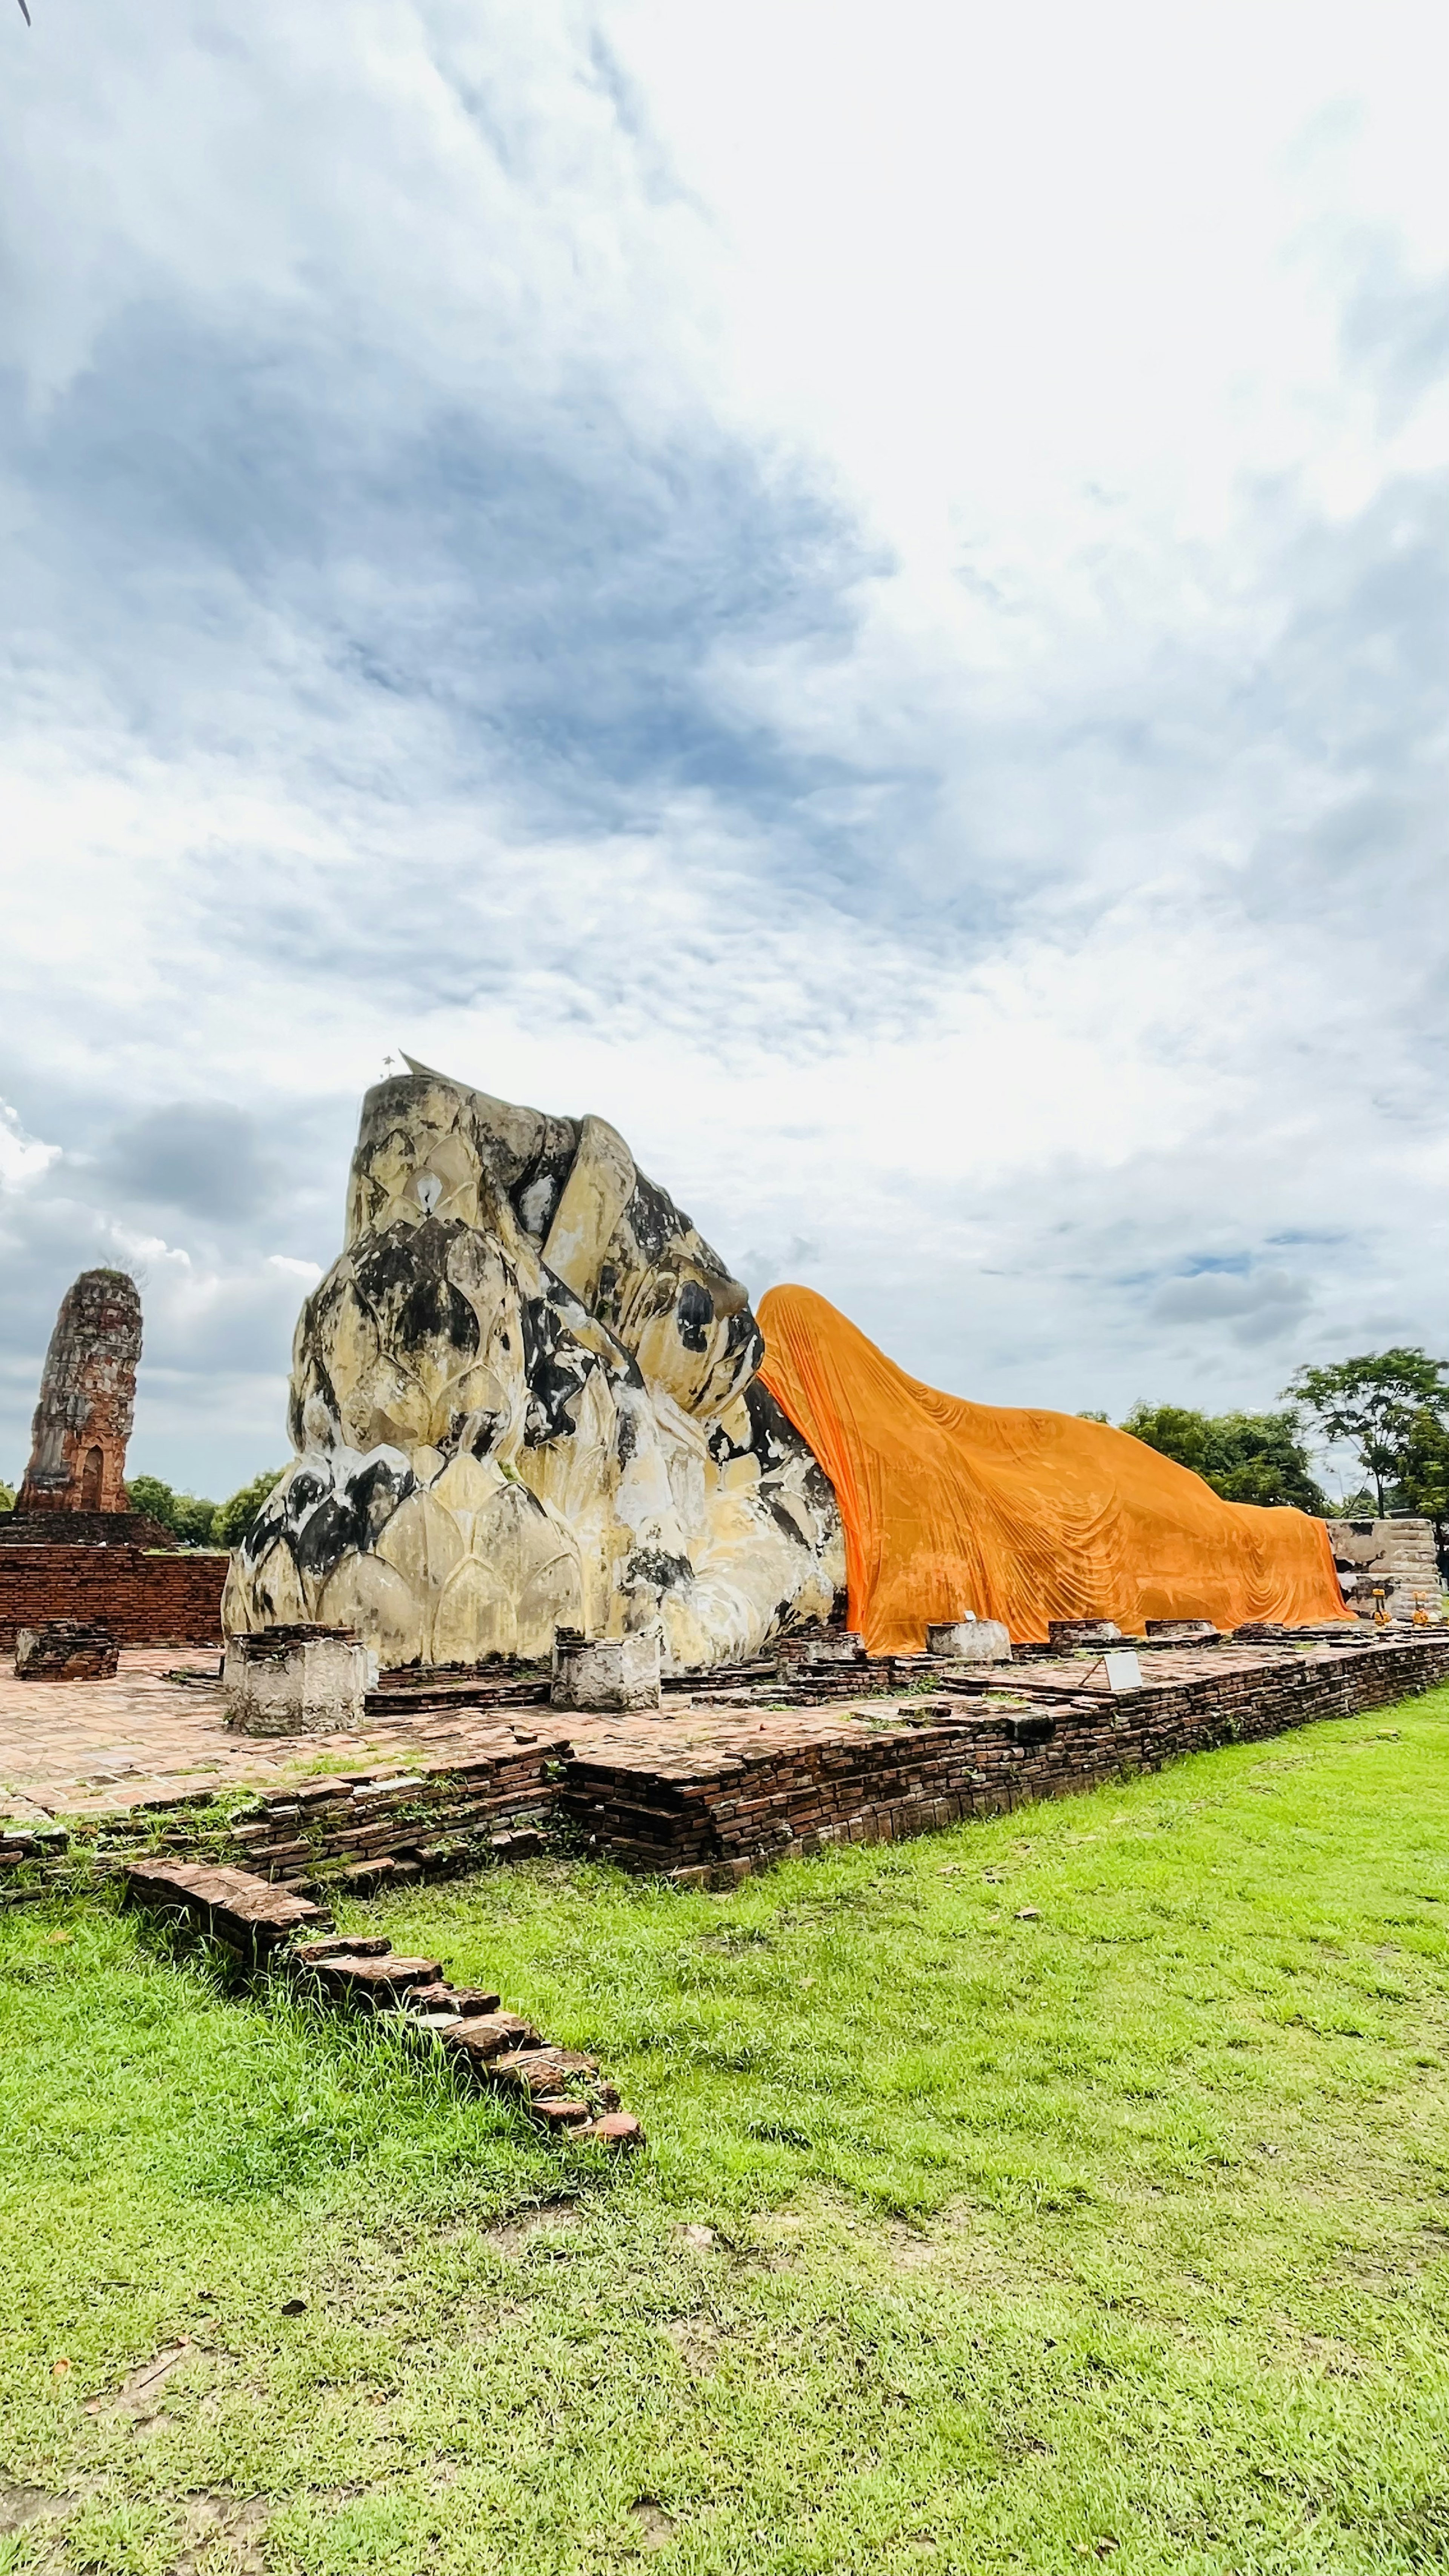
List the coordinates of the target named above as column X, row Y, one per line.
column 526, row 1397
column 970, row 1641
column 361, row 1980
column 299, row 1680
column 489, row 2035
column 1083, row 1632
column 525, row 1844
column 341, row 1945
column 246, row 1912
column 462, row 2002
column 539, row 2073
column 617, row 2129
column 560, row 2113
column 1394, row 1557
column 87, row 1400
column 66, row 1650
column 620, row 1672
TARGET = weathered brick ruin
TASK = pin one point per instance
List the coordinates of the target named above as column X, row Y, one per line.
column 73, row 1549
column 66, row 1650
column 722, row 1781
column 83, row 1419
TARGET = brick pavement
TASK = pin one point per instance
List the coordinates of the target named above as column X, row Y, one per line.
column 718, row 1780
column 101, row 1748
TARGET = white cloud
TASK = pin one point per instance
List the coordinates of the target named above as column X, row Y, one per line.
column 858, row 591
column 22, row 1158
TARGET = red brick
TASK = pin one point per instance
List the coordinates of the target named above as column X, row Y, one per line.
column 143, row 1599
column 557, row 2112
column 489, row 2035
column 618, row 2129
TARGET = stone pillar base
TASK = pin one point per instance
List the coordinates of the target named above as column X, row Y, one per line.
column 609, row 1672
column 1083, row 1632
column 837, row 1646
column 969, row 1641
column 296, row 1681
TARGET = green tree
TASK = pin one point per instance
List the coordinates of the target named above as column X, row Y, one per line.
column 1388, row 1407
column 189, row 1517
column 237, row 1513
column 1245, row 1457
column 7, row 1497
column 1423, row 1484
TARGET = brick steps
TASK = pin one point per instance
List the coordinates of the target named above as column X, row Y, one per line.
column 260, row 1922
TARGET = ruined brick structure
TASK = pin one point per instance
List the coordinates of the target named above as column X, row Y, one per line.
column 66, row 1650
column 74, row 1494
column 87, row 1400
column 710, row 1789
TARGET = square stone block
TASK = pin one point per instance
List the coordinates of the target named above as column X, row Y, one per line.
column 296, row 1681
column 970, row 1641
column 609, row 1672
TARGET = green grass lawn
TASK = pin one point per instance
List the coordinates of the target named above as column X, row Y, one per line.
column 1066, row 2189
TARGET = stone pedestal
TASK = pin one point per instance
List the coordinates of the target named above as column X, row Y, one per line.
column 296, row 1681
column 1183, row 1632
column 838, row 1646
column 66, row 1650
column 610, row 1672
column 1083, row 1632
column 969, row 1641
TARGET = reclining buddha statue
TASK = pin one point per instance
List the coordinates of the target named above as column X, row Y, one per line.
column 525, row 1397
column 530, row 1396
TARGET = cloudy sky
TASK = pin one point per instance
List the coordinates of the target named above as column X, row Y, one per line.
column 856, row 588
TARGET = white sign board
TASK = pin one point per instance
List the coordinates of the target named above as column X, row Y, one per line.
column 1124, row 1672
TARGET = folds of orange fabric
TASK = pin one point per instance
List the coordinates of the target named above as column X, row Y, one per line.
column 1019, row 1515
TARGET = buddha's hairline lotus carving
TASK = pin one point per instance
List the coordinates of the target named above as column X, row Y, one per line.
column 526, row 1395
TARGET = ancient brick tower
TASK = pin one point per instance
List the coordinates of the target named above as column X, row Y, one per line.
column 87, row 1400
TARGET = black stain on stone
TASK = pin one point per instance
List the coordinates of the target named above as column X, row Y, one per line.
column 656, row 1566
column 352, row 1517
column 540, row 1185
column 555, row 1369
column 653, row 1218
column 744, row 1335
column 404, row 1277
column 693, row 1314
column 435, row 1311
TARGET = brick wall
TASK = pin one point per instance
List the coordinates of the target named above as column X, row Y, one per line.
column 953, row 1760
column 144, row 1600
column 779, row 1783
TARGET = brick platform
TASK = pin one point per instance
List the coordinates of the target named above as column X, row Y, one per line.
column 143, row 1599
column 713, row 1784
